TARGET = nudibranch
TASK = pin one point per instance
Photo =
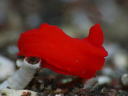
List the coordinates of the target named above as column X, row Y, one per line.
column 62, row 53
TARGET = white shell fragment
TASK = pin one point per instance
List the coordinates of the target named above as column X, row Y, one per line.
column 59, row 95
column 124, row 79
column 7, row 68
column 22, row 77
column 103, row 80
column 12, row 92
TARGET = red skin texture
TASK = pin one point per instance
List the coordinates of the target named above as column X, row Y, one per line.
column 62, row 53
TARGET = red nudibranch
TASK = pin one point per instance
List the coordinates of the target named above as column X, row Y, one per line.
column 62, row 53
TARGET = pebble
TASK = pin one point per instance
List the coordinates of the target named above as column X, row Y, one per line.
column 12, row 92
column 59, row 95
column 103, row 80
column 124, row 79
column 120, row 60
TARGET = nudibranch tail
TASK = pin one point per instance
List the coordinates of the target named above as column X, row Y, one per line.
column 96, row 35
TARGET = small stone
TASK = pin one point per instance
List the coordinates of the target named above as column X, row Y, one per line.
column 120, row 60
column 58, row 90
column 12, row 92
column 103, row 80
column 124, row 79
column 59, row 95
column 90, row 83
